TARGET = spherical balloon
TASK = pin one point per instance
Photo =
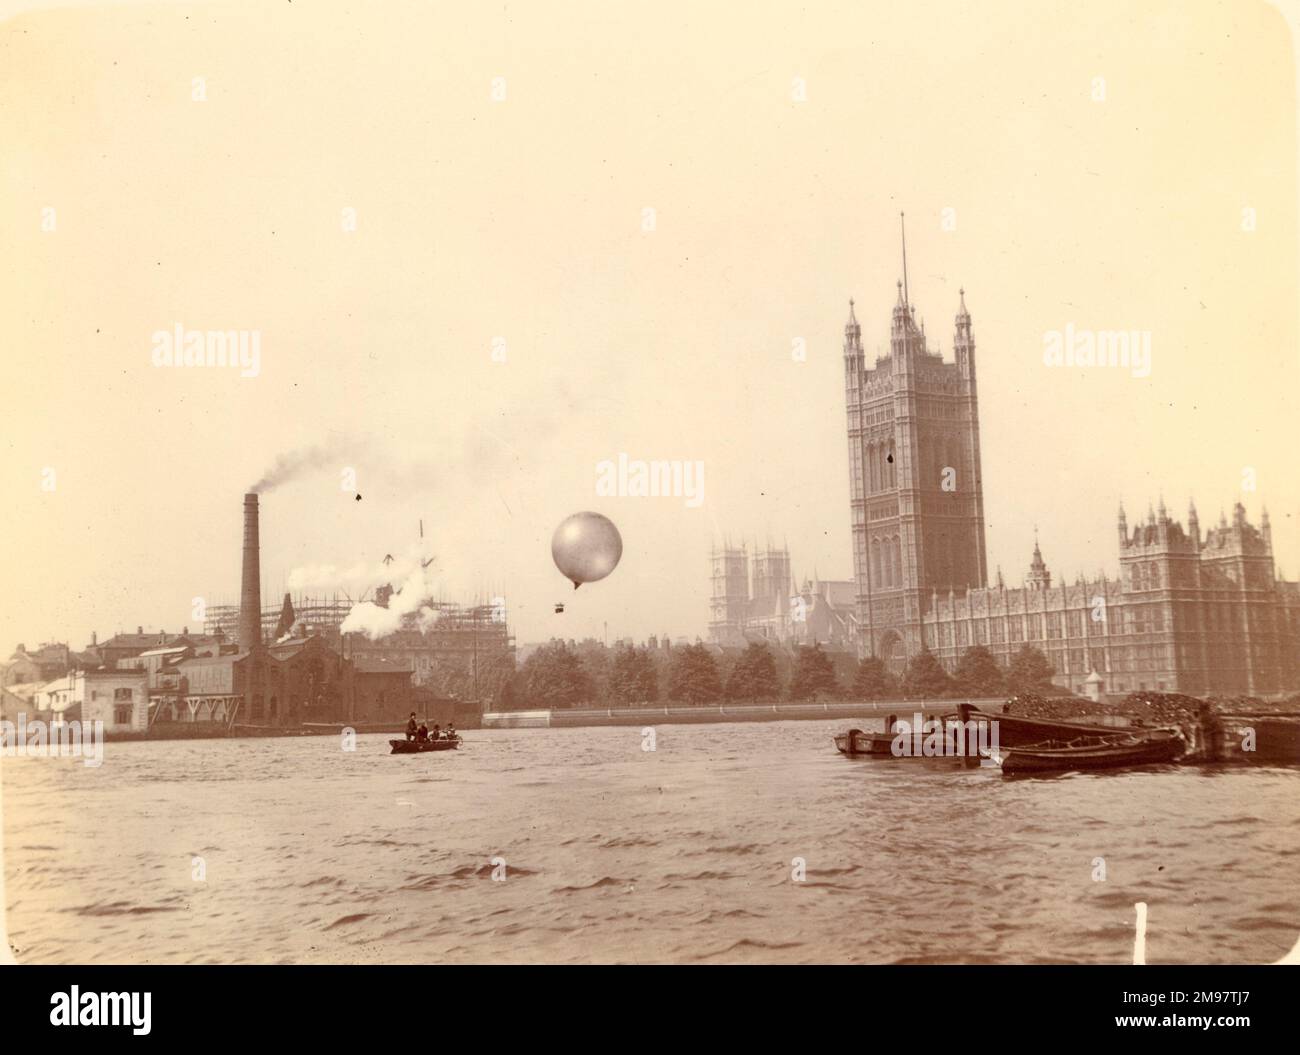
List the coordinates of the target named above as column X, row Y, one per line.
column 586, row 547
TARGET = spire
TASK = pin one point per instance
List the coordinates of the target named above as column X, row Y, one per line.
column 1039, row 577
column 286, row 620
column 962, row 313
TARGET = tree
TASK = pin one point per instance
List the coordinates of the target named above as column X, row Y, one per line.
column 453, row 676
column 597, row 661
column 694, row 675
column 632, row 677
column 925, row 677
column 813, row 674
column 754, row 676
column 872, row 681
column 1030, row 671
column 554, row 677
column 978, row 673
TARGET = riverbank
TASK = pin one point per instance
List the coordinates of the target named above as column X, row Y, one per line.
column 767, row 712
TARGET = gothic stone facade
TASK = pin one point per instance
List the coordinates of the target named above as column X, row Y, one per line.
column 1188, row 613
column 914, row 475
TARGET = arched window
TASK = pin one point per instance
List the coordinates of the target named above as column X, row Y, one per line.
column 875, row 562
column 895, row 563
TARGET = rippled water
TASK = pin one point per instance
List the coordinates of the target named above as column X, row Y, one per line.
column 612, row 853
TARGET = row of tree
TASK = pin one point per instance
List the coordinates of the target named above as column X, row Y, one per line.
column 557, row 676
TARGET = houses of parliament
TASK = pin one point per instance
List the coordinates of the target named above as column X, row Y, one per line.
column 1190, row 610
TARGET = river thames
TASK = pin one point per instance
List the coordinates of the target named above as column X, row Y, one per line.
column 726, row 843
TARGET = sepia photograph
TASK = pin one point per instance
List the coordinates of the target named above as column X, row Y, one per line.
column 583, row 483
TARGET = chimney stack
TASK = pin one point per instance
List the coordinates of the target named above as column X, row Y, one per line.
column 250, row 592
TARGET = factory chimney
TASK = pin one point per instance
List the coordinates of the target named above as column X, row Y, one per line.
column 250, row 591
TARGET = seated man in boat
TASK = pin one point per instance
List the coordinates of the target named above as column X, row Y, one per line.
column 437, row 732
column 451, row 731
column 422, row 733
column 411, row 729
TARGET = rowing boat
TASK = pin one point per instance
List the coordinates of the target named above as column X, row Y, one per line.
column 1108, row 752
column 411, row 747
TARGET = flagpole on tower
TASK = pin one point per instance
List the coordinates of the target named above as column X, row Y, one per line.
column 907, row 300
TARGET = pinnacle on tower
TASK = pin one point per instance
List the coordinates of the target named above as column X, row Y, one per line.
column 852, row 336
column 1038, row 577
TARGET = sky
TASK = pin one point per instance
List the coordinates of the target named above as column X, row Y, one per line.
column 485, row 250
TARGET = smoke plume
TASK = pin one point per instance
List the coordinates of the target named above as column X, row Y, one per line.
column 332, row 454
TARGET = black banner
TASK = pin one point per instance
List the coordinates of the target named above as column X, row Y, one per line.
column 1150, row 1005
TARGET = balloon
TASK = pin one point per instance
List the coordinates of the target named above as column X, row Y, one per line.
column 586, row 547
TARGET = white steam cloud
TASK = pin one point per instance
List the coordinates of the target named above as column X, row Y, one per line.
column 412, row 572
column 411, row 598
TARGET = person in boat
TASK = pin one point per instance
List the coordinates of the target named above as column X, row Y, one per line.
column 422, row 734
column 411, row 728
column 451, row 730
column 437, row 732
